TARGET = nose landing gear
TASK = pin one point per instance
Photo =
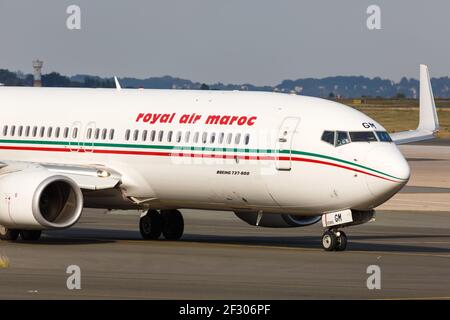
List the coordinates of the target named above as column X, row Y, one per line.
column 334, row 240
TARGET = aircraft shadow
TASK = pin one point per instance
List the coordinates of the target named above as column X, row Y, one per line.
column 80, row 236
column 64, row 240
column 315, row 242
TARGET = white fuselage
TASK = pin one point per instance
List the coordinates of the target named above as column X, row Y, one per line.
column 280, row 163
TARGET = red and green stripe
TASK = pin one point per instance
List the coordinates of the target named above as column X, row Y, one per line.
column 183, row 151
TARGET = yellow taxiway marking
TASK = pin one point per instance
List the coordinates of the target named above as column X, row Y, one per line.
column 4, row 262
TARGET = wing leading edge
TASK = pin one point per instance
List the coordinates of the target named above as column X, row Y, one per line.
column 87, row 177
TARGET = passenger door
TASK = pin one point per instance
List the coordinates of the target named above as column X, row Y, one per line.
column 284, row 143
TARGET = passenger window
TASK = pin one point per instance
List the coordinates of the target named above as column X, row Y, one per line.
column 187, row 136
column 66, row 132
column 13, row 130
column 196, row 136
column 169, row 136
column 135, row 135
column 74, row 133
column 89, row 133
column 204, row 137
column 212, row 138
column 20, row 131
column 127, row 135
column 104, row 132
column 49, row 132
column 342, row 138
column 35, row 131
column 111, row 134
column 152, row 135
column 328, row 137
column 221, row 136
column 5, row 130
column 97, row 134
column 41, row 132
column 229, row 138
column 144, row 135
column 57, row 130
column 247, row 139
column 27, row 131
column 237, row 139
column 178, row 139
column 160, row 135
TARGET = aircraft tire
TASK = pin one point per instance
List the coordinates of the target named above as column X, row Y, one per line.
column 150, row 225
column 173, row 224
column 8, row 234
column 341, row 241
column 329, row 241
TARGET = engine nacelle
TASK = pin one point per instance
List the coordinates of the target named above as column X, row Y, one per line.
column 39, row 199
column 270, row 220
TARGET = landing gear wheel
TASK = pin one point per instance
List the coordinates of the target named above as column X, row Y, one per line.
column 173, row 224
column 150, row 225
column 329, row 240
column 8, row 234
column 30, row 235
column 341, row 241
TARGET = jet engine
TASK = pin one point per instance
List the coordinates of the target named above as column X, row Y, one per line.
column 278, row 220
column 39, row 199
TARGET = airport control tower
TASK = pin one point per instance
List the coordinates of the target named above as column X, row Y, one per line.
column 37, row 66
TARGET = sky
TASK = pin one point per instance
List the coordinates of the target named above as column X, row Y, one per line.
column 235, row 41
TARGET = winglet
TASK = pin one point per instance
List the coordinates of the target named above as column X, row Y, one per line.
column 118, row 87
column 428, row 119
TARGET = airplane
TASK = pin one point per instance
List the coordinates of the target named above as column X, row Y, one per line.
column 273, row 159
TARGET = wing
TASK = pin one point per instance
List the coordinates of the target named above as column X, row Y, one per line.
column 87, row 177
column 428, row 119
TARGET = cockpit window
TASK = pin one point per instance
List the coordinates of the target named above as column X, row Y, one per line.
column 363, row 136
column 328, row 136
column 342, row 138
column 383, row 136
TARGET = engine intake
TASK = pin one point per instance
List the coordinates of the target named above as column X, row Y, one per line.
column 58, row 203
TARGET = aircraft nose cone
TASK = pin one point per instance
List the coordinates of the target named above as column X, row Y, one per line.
column 390, row 172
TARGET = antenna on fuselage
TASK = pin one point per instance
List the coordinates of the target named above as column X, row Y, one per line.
column 118, row 86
